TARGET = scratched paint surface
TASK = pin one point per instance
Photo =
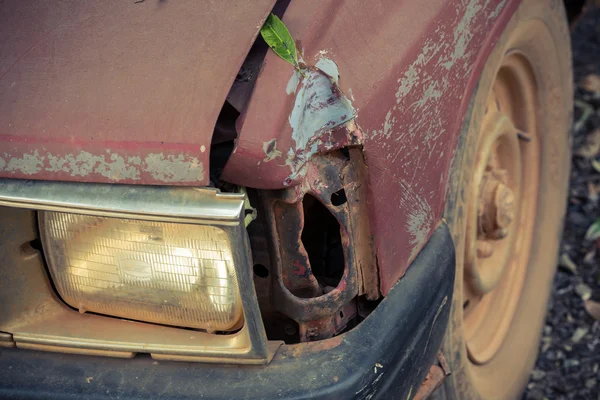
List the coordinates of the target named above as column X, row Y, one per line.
column 409, row 80
column 445, row 60
column 114, row 91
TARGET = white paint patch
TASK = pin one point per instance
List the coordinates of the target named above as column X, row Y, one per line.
column 388, row 124
column 317, row 109
column 84, row 164
column 320, row 107
column 463, row 33
column 111, row 165
column 329, row 67
column 173, row 168
column 27, row 164
column 433, row 92
column 292, row 84
column 494, row 14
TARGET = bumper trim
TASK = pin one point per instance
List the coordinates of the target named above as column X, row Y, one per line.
column 386, row 356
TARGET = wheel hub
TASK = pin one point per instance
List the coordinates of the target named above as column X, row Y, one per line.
column 500, row 213
column 497, row 205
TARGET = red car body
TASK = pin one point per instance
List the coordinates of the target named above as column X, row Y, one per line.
column 113, row 93
column 130, row 92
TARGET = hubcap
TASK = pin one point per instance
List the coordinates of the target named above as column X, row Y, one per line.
column 501, row 210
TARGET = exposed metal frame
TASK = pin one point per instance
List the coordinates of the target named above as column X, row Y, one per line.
column 55, row 327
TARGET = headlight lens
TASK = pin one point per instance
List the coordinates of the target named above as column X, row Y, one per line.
column 166, row 273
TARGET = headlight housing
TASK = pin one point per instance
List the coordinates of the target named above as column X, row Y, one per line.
column 176, row 258
column 166, row 273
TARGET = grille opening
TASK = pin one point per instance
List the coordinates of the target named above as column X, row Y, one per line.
column 323, row 242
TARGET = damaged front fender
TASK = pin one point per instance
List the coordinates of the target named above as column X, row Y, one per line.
column 321, row 119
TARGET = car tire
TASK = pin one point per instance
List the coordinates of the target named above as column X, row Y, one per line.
column 506, row 203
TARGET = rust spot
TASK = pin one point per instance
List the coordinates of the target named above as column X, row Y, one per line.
column 270, row 149
column 432, row 381
column 307, row 349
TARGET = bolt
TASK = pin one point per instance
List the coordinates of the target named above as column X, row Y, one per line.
column 290, row 330
column 312, row 332
column 499, row 234
column 484, row 249
column 504, row 201
column 497, row 205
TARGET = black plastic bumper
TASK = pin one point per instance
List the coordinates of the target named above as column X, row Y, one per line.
column 385, row 357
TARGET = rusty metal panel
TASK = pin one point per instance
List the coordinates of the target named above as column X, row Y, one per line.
column 117, row 91
column 407, row 69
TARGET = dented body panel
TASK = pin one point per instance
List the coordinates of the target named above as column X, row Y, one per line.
column 408, row 70
column 118, row 91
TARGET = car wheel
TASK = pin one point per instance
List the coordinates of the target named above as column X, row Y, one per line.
column 506, row 204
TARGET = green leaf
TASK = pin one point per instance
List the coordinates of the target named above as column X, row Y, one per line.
column 593, row 231
column 596, row 165
column 279, row 39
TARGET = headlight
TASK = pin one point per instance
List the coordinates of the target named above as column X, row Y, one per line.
column 159, row 270
column 166, row 273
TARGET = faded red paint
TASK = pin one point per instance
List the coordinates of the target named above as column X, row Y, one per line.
column 411, row 68
column 150, row 78
column 98, row 86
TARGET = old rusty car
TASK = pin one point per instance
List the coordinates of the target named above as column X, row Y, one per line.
column 185, row 215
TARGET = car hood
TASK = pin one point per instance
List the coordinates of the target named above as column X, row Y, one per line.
column 118, row 91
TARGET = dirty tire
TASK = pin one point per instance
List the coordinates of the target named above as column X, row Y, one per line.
column 538, row 34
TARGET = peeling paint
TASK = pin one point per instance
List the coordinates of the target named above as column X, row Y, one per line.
column 111, row 165
column 494, row 14
column 463, row 32
column 84, row 164
column 425, row 82
column 270, row 149
column 292, row 84
column 174, row 168
column 320, row 107
column 27, row 164
column 329, row 67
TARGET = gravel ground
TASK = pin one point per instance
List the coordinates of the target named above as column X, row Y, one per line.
column 568, row 366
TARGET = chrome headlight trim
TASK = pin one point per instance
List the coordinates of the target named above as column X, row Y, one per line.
column 63, row 329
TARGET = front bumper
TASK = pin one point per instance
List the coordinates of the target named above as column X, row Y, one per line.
column 386, row 356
